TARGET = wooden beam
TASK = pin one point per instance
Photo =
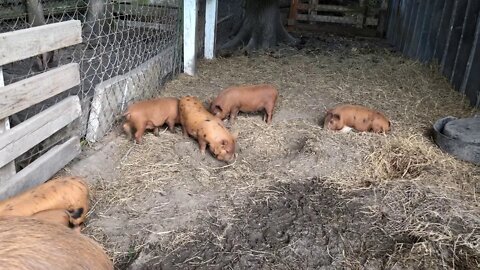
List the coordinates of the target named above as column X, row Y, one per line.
column 42, row 169
column 23, row 94
column 190, row 14
column 8, row 170
column 210, row 28
column 334, row 19
column 37, row 128
column 25, row 43
column 331, row 8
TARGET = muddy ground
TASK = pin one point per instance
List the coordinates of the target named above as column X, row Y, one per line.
column 297, row 196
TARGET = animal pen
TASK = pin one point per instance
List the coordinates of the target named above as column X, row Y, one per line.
column 297, row 196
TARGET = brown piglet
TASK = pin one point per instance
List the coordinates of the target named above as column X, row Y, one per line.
column 346, row 117
column 150, row 114
column 197, row 122
column 246, row 98
column 68, row 193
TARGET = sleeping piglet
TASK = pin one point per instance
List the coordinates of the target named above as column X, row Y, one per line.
column 347, row 117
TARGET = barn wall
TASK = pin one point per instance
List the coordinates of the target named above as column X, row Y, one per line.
column 443, row 31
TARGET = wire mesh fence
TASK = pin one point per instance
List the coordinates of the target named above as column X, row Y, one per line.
column 129, row 49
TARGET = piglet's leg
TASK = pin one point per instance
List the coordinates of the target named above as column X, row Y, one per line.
column 233, row 115
column 203, row 145
column 171, row 125
column 155, row 131
column 139, row 134
column 269, row 113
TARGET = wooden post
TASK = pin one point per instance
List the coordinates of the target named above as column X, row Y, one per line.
column 190, row 14
column 8, row 170
column 210, row 28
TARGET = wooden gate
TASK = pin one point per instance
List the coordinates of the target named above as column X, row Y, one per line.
column 15, row 97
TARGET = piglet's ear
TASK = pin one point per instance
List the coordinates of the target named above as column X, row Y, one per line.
column 235, row 134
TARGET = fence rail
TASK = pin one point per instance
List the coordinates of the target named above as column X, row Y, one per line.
column 444, row 31
column 27, row 92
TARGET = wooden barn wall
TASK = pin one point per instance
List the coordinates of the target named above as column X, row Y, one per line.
column 444, row 31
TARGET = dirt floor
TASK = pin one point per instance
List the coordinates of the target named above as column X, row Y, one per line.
column 297, row 196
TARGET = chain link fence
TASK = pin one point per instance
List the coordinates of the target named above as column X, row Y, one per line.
column 130, row 49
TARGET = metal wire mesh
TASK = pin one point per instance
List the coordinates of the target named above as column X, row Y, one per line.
column 129, row 49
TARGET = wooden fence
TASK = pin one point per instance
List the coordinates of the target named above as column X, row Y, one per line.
column 22, row 44
column 445, row 31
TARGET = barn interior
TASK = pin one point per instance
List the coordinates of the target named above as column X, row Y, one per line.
column 297, row 196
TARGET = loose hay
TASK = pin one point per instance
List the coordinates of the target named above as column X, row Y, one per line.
column 166, row 189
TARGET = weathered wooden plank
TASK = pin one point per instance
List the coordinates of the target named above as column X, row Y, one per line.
column 335, row 19
column 427, row 53
column 23, row 94
column 466, row 43
column 443, row 30
column 399, row 27
column 210, row 28
column 409, row 6
column 392, row 20
column 453, row 40
column 331, row 8
column 190, row 14
column 411, row 27
column 37, row 128
column 8, row 170
column 471, row 80
column 42, row 169
column 25, row 43
column 425, row 28
column 417, row 29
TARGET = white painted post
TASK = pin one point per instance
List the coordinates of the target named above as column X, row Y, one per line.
column 210, row 28
column 190, row 14
column 8, row 170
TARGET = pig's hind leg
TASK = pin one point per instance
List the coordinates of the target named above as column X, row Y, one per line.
column 269, row 113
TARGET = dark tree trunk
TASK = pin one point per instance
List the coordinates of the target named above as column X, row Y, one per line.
column 261, row 28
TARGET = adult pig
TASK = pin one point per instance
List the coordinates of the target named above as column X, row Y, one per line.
column 246, row 98
column 150, row 114
column 197, row 122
